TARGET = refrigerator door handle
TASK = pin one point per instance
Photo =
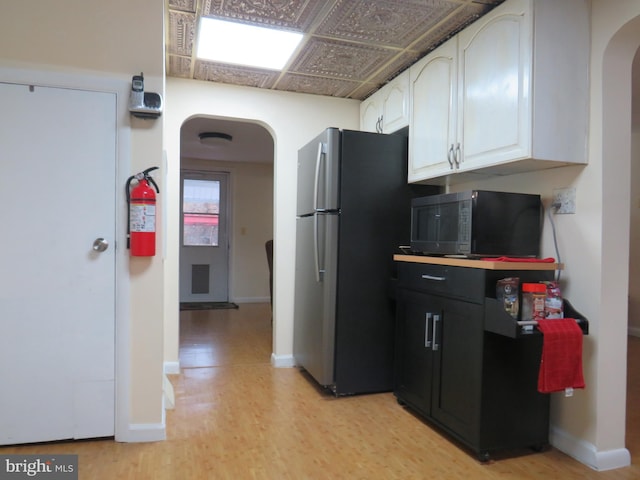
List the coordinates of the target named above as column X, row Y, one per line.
column 316, row 183
column 316, row 248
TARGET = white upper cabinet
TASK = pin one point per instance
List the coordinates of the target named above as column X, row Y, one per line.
column 371, row 114
column 432, row 124
column 387, row 110
column 519, row 98
column 494, row 91
column 396, row 103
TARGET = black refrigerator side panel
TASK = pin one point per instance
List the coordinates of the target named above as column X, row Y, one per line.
column 374, row 221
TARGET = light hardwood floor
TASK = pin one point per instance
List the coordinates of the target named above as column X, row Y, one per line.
column 238, row 418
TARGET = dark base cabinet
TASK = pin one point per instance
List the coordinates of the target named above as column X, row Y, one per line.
column 478, row 386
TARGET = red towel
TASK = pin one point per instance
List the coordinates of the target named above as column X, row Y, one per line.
column 561, row 365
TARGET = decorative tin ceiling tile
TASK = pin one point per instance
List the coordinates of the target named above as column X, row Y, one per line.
column 182, row 31
column 448, row 28
column 290, row 14
column 179, row 66
column 349, row 61
column 391, row 23
column 317, row 85
column 183, row 5
column 248, row 77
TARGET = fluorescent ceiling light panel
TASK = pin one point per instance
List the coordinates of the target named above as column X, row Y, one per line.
column 240, row 44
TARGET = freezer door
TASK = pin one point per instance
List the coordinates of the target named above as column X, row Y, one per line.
column 315, row 296
column 318, row 173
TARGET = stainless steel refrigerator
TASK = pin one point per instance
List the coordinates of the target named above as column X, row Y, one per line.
column 353, row 211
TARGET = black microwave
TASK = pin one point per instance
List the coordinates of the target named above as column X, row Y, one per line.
column 477, row 223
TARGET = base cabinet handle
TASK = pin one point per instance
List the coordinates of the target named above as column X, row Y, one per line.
column 436, row 319
column 433, row 277
column 427, row 321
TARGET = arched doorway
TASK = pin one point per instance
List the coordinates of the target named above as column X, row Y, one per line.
column 619, row 87
column 242, row 152
column 237, row 154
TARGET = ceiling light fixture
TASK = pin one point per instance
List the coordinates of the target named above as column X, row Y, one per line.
column 215, row 138
column 242, row 44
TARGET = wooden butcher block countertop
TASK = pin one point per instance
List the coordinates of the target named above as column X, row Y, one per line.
column 486, row 264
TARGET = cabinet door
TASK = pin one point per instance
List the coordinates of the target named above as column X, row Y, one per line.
column 433, row 110
column 370, row 114
column 395, row 104
column 413, row 350
column 457, row 367
column 494, row 90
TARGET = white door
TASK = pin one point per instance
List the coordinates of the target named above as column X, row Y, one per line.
column 204, row 251
column 57, row 293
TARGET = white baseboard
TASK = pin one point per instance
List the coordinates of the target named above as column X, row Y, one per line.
column 586, row 452
column 143, row 432
column 634, row 331
column 171, row 368
column 282, row 361
column 169, row 396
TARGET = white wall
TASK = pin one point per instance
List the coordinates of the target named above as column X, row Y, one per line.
column 293, row 119
column 110, row 41
column 251, row 224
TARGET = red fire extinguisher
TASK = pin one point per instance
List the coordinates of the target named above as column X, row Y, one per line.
column 141, row 222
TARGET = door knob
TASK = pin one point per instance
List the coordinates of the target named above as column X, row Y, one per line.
column 100, row 245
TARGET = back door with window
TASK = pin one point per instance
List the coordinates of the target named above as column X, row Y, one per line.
column 204, row 251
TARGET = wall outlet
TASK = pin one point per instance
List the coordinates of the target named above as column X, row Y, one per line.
column 564, row 200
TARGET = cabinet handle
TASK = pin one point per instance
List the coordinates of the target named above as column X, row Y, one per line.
column 458, row 155
column 427, row 320
column 450, row 156
column 433, row 277
column 379, row 124
column 436, row 319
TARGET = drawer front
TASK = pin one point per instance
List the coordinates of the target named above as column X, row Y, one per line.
column 455, row 282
